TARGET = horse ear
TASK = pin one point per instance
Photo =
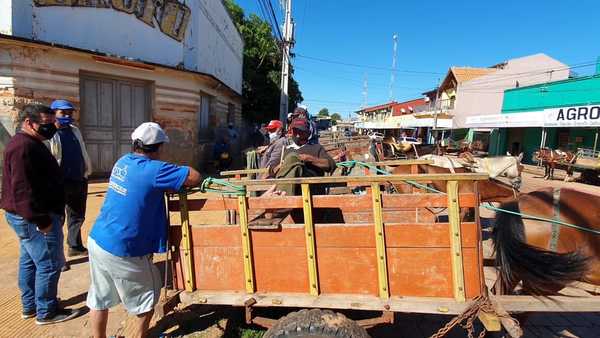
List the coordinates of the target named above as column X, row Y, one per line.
column 520, row 157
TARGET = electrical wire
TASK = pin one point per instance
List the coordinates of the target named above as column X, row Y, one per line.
column 527, row 74
column 270, row 6
column 366, row 66
column 269, row 20
column 356, row 80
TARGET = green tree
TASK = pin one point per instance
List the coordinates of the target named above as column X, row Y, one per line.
column 262, row 68
column 323, row 112
column 336, row 117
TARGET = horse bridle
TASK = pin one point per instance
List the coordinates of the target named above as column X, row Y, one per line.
column 515, row 182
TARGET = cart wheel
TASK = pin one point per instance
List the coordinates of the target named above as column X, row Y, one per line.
column 316, row 324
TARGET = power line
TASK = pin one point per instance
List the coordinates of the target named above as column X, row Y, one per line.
column 269, row 20
column 355, row 80
column 275, row 18
column 366, row 66
column 501, row 77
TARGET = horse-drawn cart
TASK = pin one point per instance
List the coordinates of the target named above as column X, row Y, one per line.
column 586, row 161
column 375, row 252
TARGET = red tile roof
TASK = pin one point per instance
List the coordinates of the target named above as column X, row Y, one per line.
column 379, row 107
column 408, row 107
column 396, row 107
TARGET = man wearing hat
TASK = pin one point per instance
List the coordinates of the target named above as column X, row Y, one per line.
column 32, row 199
column 132, row 225
column 68, row 148
column 272, row 155
column 302, row 112
column 302, row 159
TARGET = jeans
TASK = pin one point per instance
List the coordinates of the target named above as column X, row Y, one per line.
column 75, row 198
column 40, row 259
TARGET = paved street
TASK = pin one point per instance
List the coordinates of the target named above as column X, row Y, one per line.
column 74, row 283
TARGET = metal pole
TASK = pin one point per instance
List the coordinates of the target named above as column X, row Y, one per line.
column 393, row 75
column 542, row 143
column 498, row 143
column 595, row 142
column 285, row 62
column 543, row 140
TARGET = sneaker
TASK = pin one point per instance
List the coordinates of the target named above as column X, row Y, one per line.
column 28, row 314
column 80, row 251
column 60, row 316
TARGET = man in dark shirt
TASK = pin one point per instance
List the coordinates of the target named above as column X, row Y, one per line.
column 68, row 148
column 302, row 159
column 32, row 196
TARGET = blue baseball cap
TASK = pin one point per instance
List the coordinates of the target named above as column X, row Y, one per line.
column 62, row 105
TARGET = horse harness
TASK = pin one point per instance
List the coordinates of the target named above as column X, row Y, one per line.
column 555, row 234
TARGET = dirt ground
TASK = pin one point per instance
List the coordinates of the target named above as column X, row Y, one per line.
column 211, row 322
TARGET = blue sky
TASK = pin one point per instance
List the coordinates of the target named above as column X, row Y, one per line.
column 432, row 36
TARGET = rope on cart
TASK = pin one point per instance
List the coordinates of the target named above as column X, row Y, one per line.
column 224, row 187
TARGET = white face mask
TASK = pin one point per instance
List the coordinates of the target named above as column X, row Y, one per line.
column 273, row 136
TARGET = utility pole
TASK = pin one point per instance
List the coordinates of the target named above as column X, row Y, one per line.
column 393, row 76
column 285, row 62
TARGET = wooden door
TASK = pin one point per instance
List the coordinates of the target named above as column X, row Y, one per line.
column 110, row 110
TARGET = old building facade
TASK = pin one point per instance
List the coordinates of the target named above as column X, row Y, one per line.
column 178, row 63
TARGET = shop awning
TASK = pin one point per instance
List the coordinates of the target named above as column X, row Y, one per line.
column 576, row 116
column 530, row 119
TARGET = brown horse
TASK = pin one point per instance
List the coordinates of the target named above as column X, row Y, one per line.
column 543, row 255
column 551, row 158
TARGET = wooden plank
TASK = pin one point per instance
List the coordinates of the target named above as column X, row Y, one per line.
column 382, row 272
column 574, row 292
column 397, row 235
column 366, row 179
column 344, row 202
column 490, row 321
column 246, row 245
column 186, row 236
column 455, row 240
column 394, row 163
column 587, row 287
column 244, row 172
column 549, row 304
column 347, row 261
column 513, row 329
column 309, row 232
column 427, row 305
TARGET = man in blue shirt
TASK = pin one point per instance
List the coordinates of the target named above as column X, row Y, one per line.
column 132, row 225
column 68, row 148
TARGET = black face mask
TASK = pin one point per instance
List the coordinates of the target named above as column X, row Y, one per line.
column 298, row 140
column 46, row 130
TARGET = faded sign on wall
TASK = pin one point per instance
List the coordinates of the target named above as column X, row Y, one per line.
column 171, row 16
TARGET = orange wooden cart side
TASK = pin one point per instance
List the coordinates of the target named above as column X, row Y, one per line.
column 422, row 258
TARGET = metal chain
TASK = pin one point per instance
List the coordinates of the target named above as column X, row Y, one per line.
column 480, row 303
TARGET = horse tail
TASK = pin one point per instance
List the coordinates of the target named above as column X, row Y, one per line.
column 543, row 272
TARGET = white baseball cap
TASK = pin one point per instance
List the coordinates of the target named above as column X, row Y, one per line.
column 149, row 133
